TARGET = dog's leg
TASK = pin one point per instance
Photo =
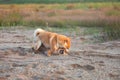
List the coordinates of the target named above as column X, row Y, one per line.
column 37, row 44
column 36, row 41
column 52, row 50
column 53, row 45
column 66, row 52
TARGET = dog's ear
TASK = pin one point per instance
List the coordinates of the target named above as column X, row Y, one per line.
column 68, row 42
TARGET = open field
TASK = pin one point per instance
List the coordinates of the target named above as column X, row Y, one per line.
column 89, row 25
column 86, row 61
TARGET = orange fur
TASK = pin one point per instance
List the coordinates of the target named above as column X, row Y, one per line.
column 51, row 40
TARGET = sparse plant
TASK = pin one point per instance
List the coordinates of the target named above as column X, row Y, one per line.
column 56, row 24
column 70, row 6
column 41, row 6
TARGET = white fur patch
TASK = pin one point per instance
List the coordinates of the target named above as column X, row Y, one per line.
column 36, row 41
column 65, row 44
column 38, row 45
column 67, row 50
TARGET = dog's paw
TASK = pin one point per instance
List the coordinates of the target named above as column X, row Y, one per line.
column 48, row 55
column 65, row 54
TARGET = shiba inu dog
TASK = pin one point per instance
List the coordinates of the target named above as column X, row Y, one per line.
column 56, row 43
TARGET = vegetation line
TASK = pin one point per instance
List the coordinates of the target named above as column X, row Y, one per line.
column 51, row 1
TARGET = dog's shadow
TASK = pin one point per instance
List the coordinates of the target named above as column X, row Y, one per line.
column 42, row 50
column 21, row 51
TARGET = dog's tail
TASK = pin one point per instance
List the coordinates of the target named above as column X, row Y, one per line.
column 36, row 40
column 37, row 32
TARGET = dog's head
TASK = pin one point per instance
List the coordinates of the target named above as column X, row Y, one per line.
column 64, row 41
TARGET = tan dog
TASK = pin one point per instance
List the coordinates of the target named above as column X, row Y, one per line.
column 55, row 42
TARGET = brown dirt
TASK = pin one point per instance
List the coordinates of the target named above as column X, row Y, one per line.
column 100, row 61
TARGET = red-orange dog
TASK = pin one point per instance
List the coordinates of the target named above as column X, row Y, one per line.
column 55, row 42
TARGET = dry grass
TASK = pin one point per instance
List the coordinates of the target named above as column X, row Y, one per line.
column 62, row 15
column 94, row 14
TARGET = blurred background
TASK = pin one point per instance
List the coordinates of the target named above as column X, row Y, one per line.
column 100, row 18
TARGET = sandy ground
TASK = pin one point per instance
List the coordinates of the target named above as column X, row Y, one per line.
column 98, row 61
